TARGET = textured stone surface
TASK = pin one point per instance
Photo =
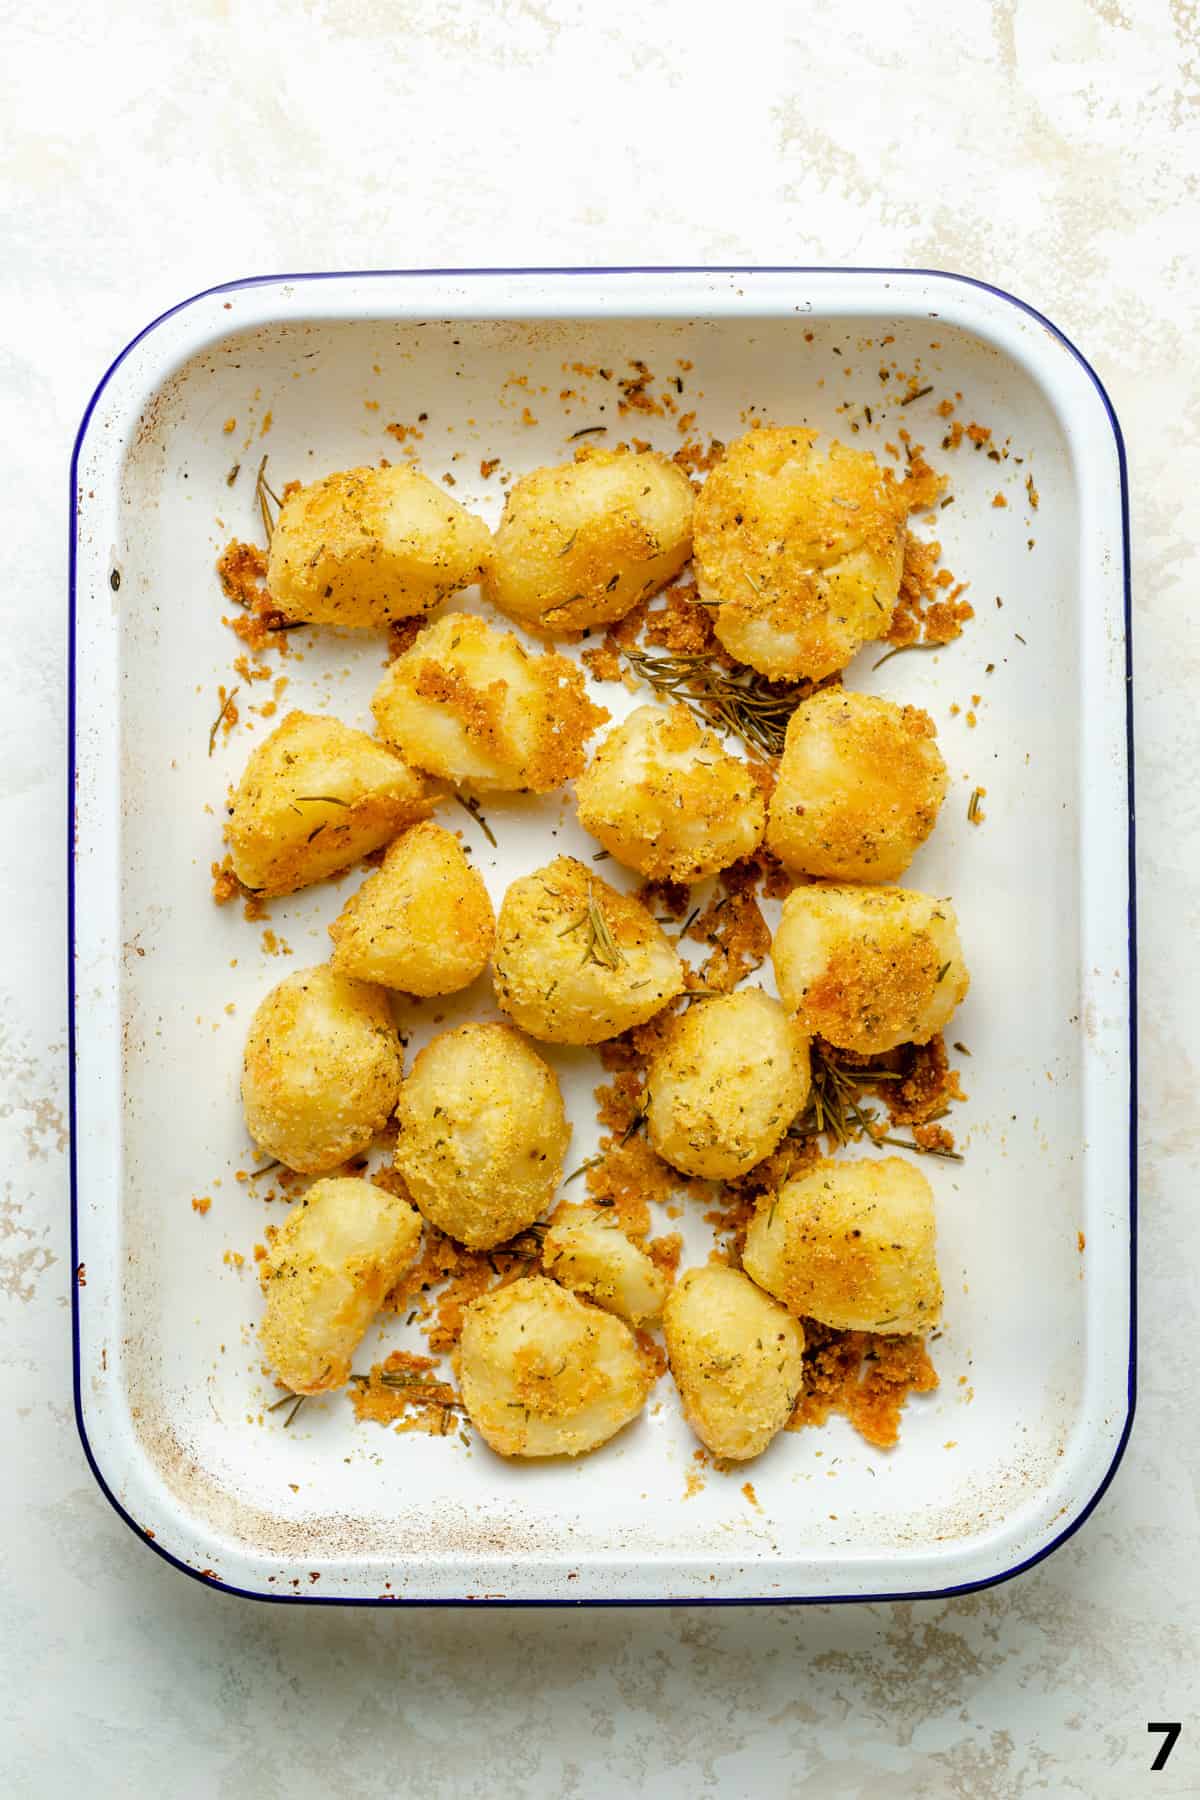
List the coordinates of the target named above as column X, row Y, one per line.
column 1045, row 145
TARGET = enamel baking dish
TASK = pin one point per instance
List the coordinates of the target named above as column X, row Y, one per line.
column 1036, row 1226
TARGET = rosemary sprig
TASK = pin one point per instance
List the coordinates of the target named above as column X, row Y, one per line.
column 586, row 431
column 834, row 1108
column 582, row 1169
column 296, row 1401
column 321, row 800
column 918, row 394
column 601, row 947
column 900, row 650
column 973, row 805
column 471, row 806
column 226, row 703
column 265, row 1168
column 265, row 495
column 739, row 700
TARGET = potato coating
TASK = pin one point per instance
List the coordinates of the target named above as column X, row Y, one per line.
column 587, row 1250
column 580, row 544
column 340, row 1250
column 577, row 962
column 801, row 551
column 366, row 546
column 322, row 1069
column 471, row 704
column 737, row 1359
column 314, row 797
column 483, row 1134
column 860, row 784
column 544, row 1374
column 726, row 1081
column 422, row 923
column 851, row 1243
column 663, row 795
column 868, row 968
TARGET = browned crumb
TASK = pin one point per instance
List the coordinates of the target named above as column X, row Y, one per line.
column 488, row 467
column 242, row 569
column 665, row 1252
column 865, row 1375
column 924, row 612
column 751, row 1496
column 1032, row 492
column 652, row 1354
column 403, row 1391
column 402, row 634
column 1080, row 1242
column 999, row 500
column 201, row 1203
column 670, row 898
column 735, row 928
column 402, row 433
column 225, row 884
column 603, row 662
column 929, row 1083
column 696, row 458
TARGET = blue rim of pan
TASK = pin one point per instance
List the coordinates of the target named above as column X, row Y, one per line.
column 209, row 1579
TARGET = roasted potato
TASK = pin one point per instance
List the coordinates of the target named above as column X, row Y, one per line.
column 422, row 923
column 544, row 1374
column 322, row 1069
column 851, row 1243
column 724, row 1084
column 473, row 705
column 483, row 1134
column 868, row 968
column 577, row 962
column 337, row 1254
column 314, row 797
column 366, row 546
column 664, row 796
column 737, row 1359
column 581, row 543
column 860, row 784
column 587, row 1250
column 801, row 552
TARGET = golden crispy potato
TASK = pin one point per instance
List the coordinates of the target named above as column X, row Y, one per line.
column 422, row 923
column 544, row 1374
column 314, row 797
column 483, row 1134
column 340, row 1250
column 577, row 962
column 581, row 543
column 366, row 546
column 802, row 552
column 737, row 1359
column 664, row 796
column 587, row 1250
column 851, row 1243
column 860, row 784
column 322, row 1069
column 868, row 968
column 471, row 704
column 724, row 1084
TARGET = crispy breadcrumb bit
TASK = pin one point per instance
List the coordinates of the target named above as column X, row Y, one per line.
column 234, row 1259
column 921, row 615
column 402, row 634
column 735, row 928
column 201, row 1203
column 749, row 1493
column 403, row 433
column 488, row 467
column 1032, row 492
column 225, row 884
column 867, row 1376
column 999, row 500
column 403, row 1391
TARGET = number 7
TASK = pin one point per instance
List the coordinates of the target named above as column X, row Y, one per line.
column 1167, row 1745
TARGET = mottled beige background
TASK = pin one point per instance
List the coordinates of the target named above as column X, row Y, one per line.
column 150, row 150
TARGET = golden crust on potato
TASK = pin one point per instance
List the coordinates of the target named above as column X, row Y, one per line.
column 576, row 961
column 581, row 543
column 868, row 968
column 483, row 1134
column 340, row 1250
column 588, row 1251
column 314, row 797
column 473, row 705
column 851, row 1243
column 422, row 923
column 724, row 1084
column 665, row 797
column 544, row 1374
column 800, row 551
column 860, row 784
column 322, row 1069
column 737, row 1359
column 366, row 546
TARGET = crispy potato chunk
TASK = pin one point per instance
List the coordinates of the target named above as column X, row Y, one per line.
column 337, row 1254
column 801, row 551
column 580, row 544
column 664, row 796
column 851, row 1243
column 423, row 923
column 366, row 546
column 322, row 1069
column 726, row 1081
column 577, row 962
column 314, row 797
column 860, row 784
column 544, row 1374
column 471, row 704
column 737, row 1359
column 483, row 1134
column 586, row 1250
column 869, row 968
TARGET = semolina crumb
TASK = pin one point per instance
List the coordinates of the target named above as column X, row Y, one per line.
column 201, row 1203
